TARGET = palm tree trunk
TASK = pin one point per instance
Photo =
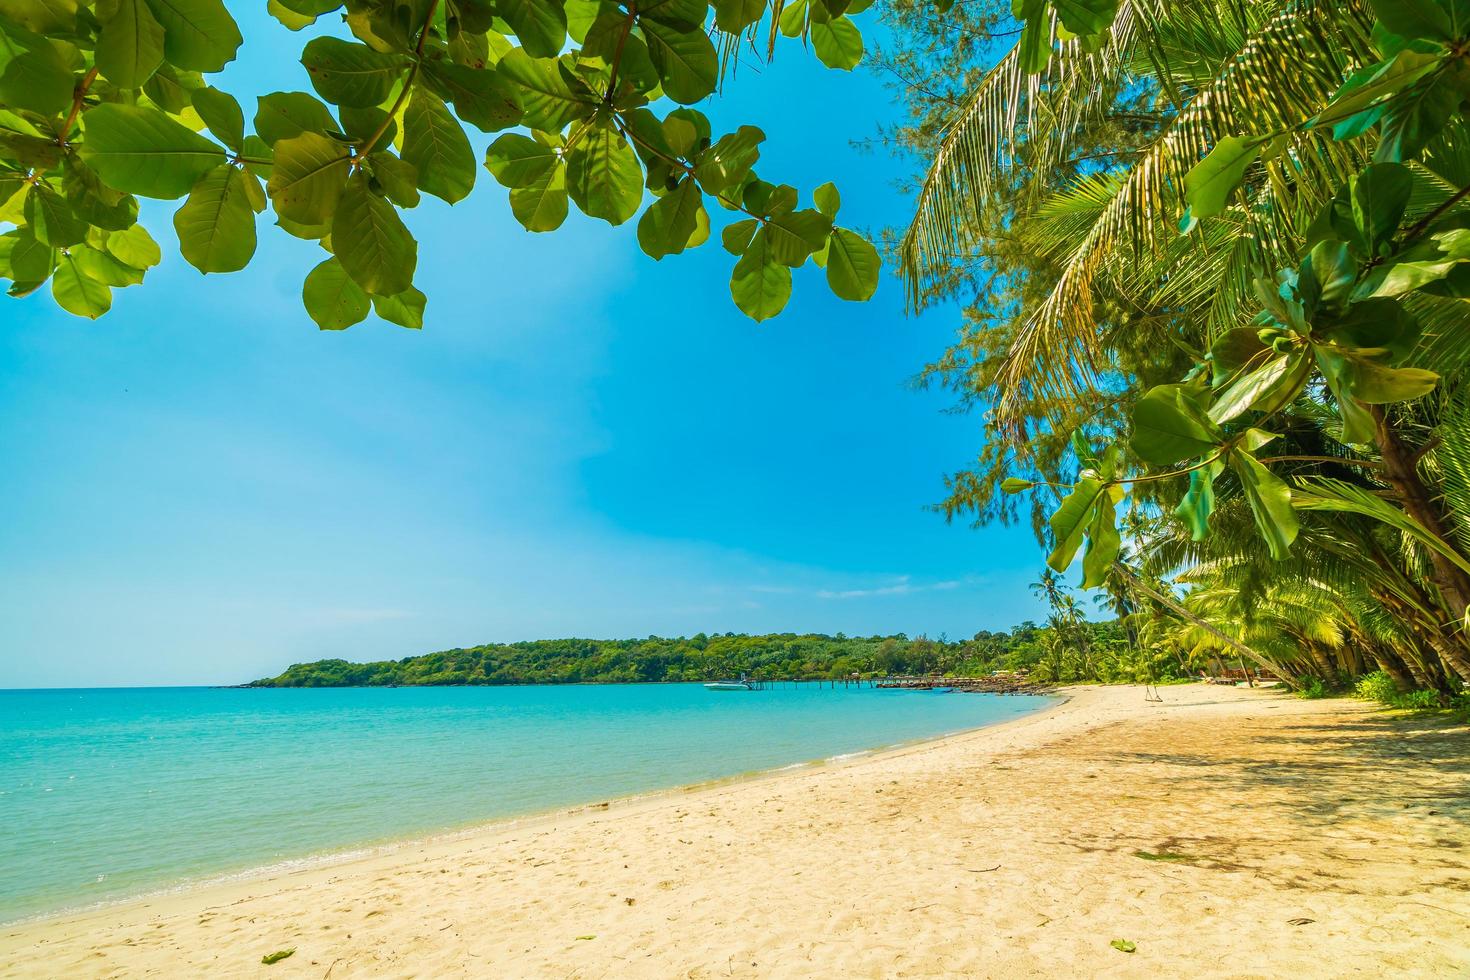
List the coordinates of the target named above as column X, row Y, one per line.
column 1179, row 609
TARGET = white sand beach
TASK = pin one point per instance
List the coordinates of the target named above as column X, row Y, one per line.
column 1222, row 833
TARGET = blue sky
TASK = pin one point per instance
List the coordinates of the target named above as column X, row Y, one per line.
column 201, row 487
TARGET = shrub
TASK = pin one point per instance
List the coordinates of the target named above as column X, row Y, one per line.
column 1311, row 689
column 1377, row 686
column 1416, row 701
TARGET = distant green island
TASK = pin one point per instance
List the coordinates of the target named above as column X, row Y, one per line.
column 1086, row 651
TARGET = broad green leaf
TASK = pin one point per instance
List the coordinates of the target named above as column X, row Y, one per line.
column 134, row 247
column 603, row 176
column 1236, row 348
column 42, row 16
column 395, row 178
column 736, row 236
column 793, row 18
column 684, row 14
column 1358, row 428
column 104, row 268
column 1415, row 117
column 349, row 74
column 549, row 97
column 1270, row 503
column 1103, row 543
column 671, row 221
column 1069, row 522
column 1035, row 45
column 371, row 241
column 145, row 152
column 518, row 161
column 838, row 43
column 51, row 218
column 727, row 162
column 1375, row 323
column 1379, row 195
column 199, row 35
column 542, row 204
column 1414, row 19
column 540, row 25
column 78, row 293
column 795, row 235
column 686, row 61
column 1014, row 485
column 734, row 16
column 1243, row 393
column 828, row 200
column 29, row 259
column 307, row 181
column 333, row 300
column 1082, row 17
column 221, row 113
column 1378, row 384
column 1209, row 183
column 1199, row 502
column 282, row 115
column 288, row 18
column 130, row 44
column 216, row 225
column 481, row 96
column 1168, row 427
column 39, row 80
column 405, row 309
column 852, row 266
column 435, row 143
column 1373, row 82
column 760, row 285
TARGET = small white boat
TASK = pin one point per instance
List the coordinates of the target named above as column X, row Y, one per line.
column 740, row 685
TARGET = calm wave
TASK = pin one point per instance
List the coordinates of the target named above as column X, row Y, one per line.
column 110, row 793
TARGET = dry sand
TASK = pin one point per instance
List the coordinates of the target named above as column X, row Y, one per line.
column 1301, row 839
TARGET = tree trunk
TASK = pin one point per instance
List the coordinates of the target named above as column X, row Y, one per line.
column 1179, row 609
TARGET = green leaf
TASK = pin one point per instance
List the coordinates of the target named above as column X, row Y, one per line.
column 852, row 266
column 736, row 236
column 760, row 285
column 1234, row 349
column 728, row 161
column 1416, row 117
column 1082, row 17
column 1358, row 428
column 671, row 221
column 1168, row 426
column 795, row 235
column 603, row 176
column 1379, row 195
column 549, row 97
column 518, row 161
column 216, row 225
column 1069, row 522
column 540, row 25
column 39, row 80
column 332, row 299
column 1373, row 82
column 793, row 18
column 134, row 247
column 307, row 181
column 145, row 152
column 104, row 268
column 1014, row 484
column 1249, row 387
column 396, row 179
column 827, row 199
column 51, row 218
column 734, row 16
column 481, row 96
column 1034, row 48
column 289, row 18
column 1199, row 502
column 435, row 143
column 405, row 309
column 283, row 115
column 371, row 241
column 1414, row 19
column 838, row 43
column 1209, row 183
column 687, row 15
column 349, row 74
column 78, row 293
column 221, row 113
column 1270, row 503
column 199, row 35
column 277, row 956
column 29, row 259
column 542, row 204
column 1103, row 543
column 1378, row 384
column 1375, row 323
column 130, row 44
column 1123, row 945
column 686, row 61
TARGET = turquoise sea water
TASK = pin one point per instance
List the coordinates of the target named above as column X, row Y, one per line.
column 111, row 793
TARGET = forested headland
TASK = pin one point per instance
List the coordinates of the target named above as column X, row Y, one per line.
column 767, row 656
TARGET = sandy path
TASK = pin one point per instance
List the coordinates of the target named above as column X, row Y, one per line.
column 1007, row 852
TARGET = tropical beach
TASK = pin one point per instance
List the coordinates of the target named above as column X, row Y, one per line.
column 1224, row 832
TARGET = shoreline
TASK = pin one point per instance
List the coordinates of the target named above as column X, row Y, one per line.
column 1225, row 832
column 350, row 854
